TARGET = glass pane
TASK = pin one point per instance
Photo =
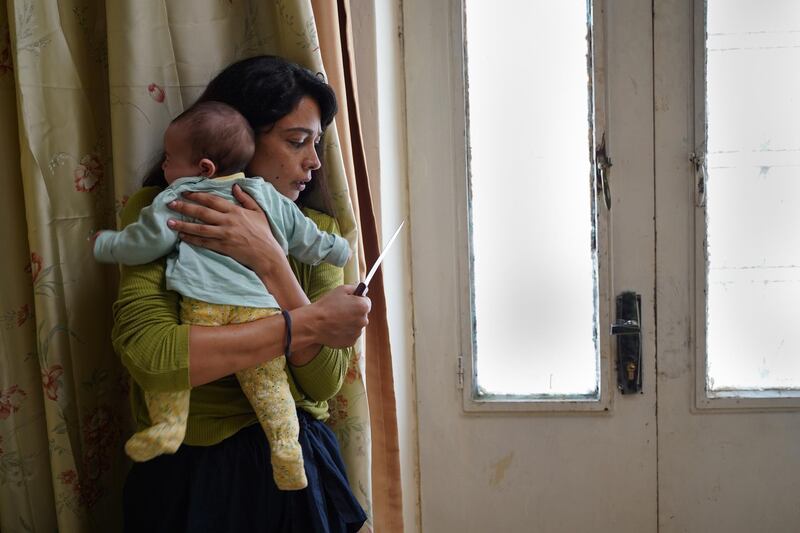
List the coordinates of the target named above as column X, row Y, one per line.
column 531, row 211
column 753, row 202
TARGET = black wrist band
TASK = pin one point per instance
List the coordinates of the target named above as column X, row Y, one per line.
column 287, row 351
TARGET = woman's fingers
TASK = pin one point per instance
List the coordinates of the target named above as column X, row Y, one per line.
column 208, row 208
column 199, row 212
column 342, row 316
column 239, row 231
column 212, row 244
column 245, row 199
column 200, row 230
column 212, row 201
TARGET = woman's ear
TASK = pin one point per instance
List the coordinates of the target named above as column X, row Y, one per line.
column 207, row 168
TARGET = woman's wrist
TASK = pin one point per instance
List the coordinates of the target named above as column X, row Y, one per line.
column 270, row 261
column 305, row 349
column 305, row 329
column 283, row 285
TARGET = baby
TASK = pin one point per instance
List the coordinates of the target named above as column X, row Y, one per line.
column 206, row 149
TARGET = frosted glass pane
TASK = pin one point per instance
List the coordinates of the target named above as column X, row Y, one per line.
column 533, row 266
column 753, row 201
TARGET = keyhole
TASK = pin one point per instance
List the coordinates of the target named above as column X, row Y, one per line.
column 631, row 369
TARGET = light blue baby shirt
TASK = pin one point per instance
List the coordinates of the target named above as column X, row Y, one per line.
column 208, row 276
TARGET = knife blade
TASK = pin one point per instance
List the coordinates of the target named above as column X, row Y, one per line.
column 363, row 287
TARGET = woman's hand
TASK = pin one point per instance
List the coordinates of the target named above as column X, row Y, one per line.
column 336, row 319
column 241, row 232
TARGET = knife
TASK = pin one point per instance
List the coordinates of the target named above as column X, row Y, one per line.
column 363, row 287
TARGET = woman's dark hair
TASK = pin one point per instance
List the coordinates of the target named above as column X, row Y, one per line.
column 267, row 88
column 264, row 89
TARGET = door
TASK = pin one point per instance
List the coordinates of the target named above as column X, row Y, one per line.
column 727, row 282
column 517, row 463
column 680, row 91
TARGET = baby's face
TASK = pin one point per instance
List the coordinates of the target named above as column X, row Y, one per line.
column 178, row 154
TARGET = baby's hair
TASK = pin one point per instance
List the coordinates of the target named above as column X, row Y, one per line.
column 220, row 133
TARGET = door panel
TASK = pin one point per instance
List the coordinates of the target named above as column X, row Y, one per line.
column 523, row 471
column 733, row 470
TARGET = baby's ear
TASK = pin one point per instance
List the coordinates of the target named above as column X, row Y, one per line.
column 207, row 168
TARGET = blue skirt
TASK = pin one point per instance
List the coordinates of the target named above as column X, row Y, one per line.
column 228, row 487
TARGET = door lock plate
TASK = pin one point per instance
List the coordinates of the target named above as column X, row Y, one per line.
column 628, row 330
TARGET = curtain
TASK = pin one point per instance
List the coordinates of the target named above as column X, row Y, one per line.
column 87, row 88
column 337, row 53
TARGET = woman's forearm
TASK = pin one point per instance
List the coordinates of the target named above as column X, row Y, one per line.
column 335, row 320
column 215, row 352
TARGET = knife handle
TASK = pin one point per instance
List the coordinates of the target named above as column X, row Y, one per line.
column 361, row 289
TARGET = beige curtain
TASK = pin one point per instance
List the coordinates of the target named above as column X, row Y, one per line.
column 86, row 90
column 337, row 54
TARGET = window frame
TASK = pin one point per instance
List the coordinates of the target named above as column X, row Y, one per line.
column 472, row 402
column 753, row 400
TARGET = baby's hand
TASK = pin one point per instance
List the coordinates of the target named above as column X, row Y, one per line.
column 93, row 238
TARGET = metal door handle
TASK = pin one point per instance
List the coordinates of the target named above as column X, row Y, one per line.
column 627, row 328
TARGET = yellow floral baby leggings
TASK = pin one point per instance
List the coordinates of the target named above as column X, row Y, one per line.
column 266, row 386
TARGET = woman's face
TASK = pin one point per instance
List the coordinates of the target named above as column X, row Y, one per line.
column 286, row 154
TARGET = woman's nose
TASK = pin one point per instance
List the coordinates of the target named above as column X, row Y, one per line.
column 312, row 159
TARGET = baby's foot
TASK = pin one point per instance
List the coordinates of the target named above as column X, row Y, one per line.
column 288, row 469
column 154, row 441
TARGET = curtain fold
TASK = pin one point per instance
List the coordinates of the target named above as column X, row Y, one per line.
column 87, row 88
column 387, row 492
column 77, row 409
column 337, row 53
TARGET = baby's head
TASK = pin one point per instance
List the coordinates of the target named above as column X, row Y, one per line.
column 209, row 139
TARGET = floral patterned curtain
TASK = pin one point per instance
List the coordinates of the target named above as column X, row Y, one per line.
column 87, row 88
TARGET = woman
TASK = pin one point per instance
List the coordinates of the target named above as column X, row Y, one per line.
column 220, row 479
